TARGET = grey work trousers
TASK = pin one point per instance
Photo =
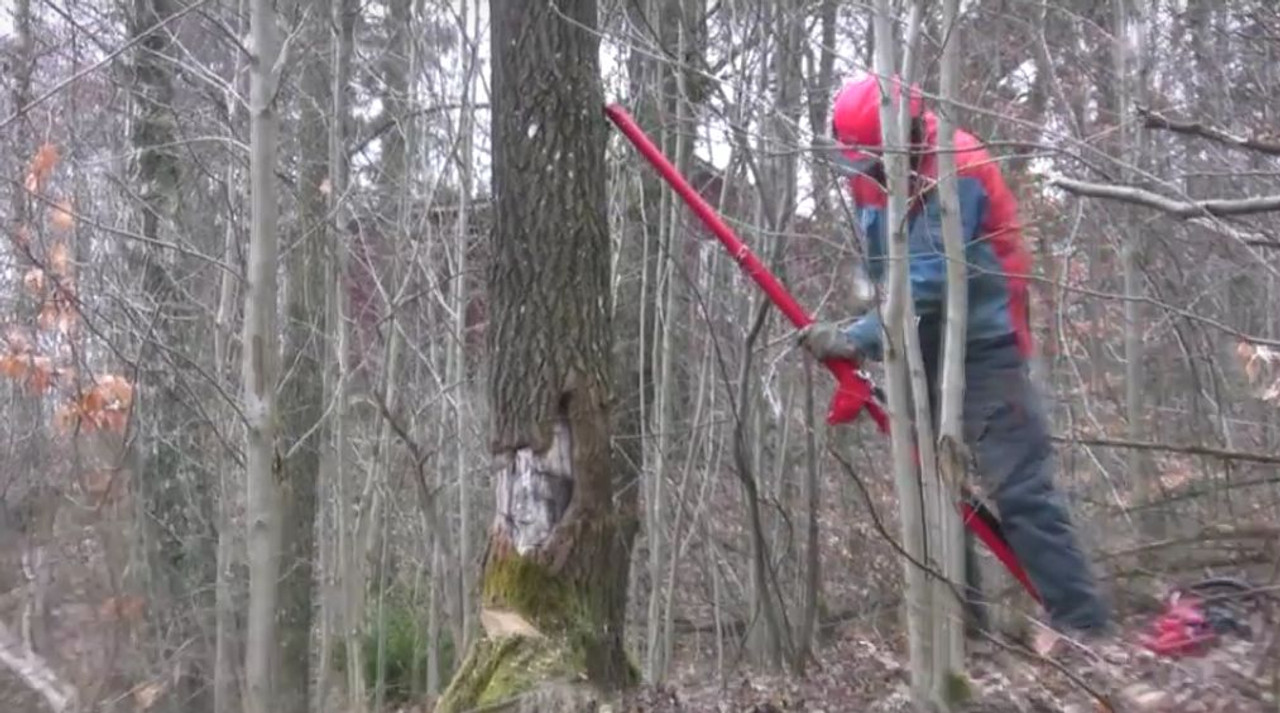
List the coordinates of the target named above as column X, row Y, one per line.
column 1007, row 430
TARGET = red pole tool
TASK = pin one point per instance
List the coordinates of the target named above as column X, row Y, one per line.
column 854, row 392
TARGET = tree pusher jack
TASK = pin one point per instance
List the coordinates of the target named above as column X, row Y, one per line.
column 855, row 391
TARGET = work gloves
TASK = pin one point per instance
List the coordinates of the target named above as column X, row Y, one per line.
column 825, row 340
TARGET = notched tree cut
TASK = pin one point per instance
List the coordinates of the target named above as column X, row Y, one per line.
column 546, row 594
column 534, row 490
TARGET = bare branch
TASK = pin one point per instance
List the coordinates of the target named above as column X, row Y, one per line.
column 1156, row 120
column 1207, row 451
column 35, row 671
column 1176, row 208
column 108, row 59
column 1254, row 239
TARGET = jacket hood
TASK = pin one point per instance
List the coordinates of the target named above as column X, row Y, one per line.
column 855, row 125
column 855, row 115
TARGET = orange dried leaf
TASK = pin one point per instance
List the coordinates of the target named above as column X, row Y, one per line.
column 114, row 421
column 40, row 373
column 66, row 417
column 48, row 315
column 92, row 402
column 116, row 391
column 62, row 218
column 13, row 366
column 128, row 607
column 34, row 280
column 59, row 259
column 43, row 162
column 66, row 321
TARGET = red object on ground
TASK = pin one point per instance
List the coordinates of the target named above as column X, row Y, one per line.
column 1183, row 630
column 854, row 392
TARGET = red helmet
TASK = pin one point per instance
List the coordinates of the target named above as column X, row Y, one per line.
column 855, row 117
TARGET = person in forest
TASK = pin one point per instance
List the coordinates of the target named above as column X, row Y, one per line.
column 1005, row 423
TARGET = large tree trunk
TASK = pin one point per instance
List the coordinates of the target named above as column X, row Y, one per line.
column 259, row 368
column 549, row 604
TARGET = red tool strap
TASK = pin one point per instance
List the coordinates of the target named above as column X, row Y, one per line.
column 854, row 391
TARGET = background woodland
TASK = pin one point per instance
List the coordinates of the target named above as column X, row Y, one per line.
column 1139, row 137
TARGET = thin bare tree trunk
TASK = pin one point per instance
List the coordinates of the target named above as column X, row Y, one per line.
column 433, row 623
column 658, row 646
column 812, row 576
column 259, row 367
column 948, row 639
column 304, row 425
column 226, row 689
column 349, row 572
column 821, row 84
column 893, row 124
column 458, row 353
column 1131, row 62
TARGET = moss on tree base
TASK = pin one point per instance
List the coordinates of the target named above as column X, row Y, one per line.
column 516, row 672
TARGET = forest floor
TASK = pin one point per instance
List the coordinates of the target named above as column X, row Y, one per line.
column 864, row 673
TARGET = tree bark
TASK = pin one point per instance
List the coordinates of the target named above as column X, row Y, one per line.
column 948, row 640
column 548, row 600
column 175, row 504
column 349, row 574
column 458, row 353
column 676, row 22
column 821, row 85
column 259, row 368
column 636, row 296
column 892, row 122
column 1131, row 78
column 226, row 688
column 304, row 430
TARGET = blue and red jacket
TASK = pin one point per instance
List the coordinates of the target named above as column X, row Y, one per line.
column 998, row 262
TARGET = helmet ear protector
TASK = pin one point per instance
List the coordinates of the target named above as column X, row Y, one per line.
column 872, row 166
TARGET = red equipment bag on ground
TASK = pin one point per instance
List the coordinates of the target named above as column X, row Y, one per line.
column 1197, row 615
